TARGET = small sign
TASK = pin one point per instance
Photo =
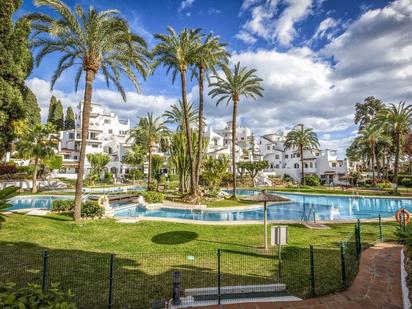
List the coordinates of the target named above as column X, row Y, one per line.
column 190, row 257
column 279, row 235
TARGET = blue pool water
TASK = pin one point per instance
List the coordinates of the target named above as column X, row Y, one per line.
column 302, row 207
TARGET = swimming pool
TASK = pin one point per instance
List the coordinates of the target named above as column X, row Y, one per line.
column 302, row 207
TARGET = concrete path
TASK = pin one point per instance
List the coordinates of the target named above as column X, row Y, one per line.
column 377, row 285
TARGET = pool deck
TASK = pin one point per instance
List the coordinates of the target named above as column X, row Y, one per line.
column 377, row 285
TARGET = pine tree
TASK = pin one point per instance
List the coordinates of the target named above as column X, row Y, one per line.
column 69, row 122
column 52, row 107
column 16, row 101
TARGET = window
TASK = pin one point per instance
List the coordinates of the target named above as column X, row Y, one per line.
column 95, row 146
column 333, row 164
column 242, row 138
column 306, row 165
column 268, row 147
column 78, row 135
column 296, row 165
column 93, row 135
column 277, row 165
column 67, row 156
column 107, row 121
column 75, row 157
column 311, row 164
column 273, row 147
column 110, row 131
column 71, row 135
column 298, row 155
column 277, row 156
column 286, row 156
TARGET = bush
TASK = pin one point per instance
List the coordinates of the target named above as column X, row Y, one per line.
column 383, row 183
column 173, row 177
column 92, row 209
column 312, row 180
column 135, row 174
column 33, row 296
column 62, row 206
column 152, row 196
column 25, row 169
column 407, row 182
column 8, row 168
column 287, row 178
column 108, row 177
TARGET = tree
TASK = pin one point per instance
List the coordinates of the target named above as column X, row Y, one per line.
column 239, row 82
column 69, row 121
column 98, row 162
column 214, row 170
column 302, row 139
column 209, row 54
column 148, row 134
column 134, row 157
column 5, row 195
column 407, row 149
column 52, row 107
column 94, row 42
column 17, row 102
column 37, row 144
column 253, row 168
column 57, row 118
column 176, row 52
column 371, row 136
column 157, row 164
column 397, row 120
column 366, row 111
column 175, row 115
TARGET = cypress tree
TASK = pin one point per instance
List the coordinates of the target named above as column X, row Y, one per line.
column 17, row 102
column 58, row 116
column 52, row 107
column 69, row 122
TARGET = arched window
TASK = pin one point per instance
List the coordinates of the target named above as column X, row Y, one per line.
column 296, row 165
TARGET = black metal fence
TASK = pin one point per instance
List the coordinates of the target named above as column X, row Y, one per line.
column 153, row 280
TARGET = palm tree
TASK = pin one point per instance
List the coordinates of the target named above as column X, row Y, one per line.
column 240, row 82
column 397, row 120
column 134, row 157
column 98, row 162
column 209, row 54
column 176, row 52
column 94, row 42
column 371, row 136
column 302, row 139
column 149, row 133
column 175, row 115
column 37, row 144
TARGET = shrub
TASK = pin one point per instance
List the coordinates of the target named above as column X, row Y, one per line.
column 135, row 174
column 287, row 178
column 62, row 205
column 312, row 180
column 108, row 177
column 25, row 169
column 33, row 296
column 92, row 209
column 407, row 182
column 383, row 183
column 152, row 196
column 173, row 177
column 8, row 168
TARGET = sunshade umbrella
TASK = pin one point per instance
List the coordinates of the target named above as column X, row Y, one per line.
column 265, row 198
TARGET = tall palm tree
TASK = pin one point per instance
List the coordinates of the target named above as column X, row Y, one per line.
column 371, row 136
column 149, row 133
column 176, row 51
column 397, row 120
column 210, row 53
column 239, row 82
column 175, row 115
column 302, row 139
column 37, row 143
column 94, row 42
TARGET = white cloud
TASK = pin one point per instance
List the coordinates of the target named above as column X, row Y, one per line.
column 246, row 37
column 265, row 21
column 324, row 29
column 213, row 11
column 185, row 4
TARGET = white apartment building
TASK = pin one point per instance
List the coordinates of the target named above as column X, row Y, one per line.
column 107, row 134
column 322, row 163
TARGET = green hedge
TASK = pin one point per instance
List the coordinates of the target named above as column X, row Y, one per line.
column 152, row 197
column 90, row 209
column 33, row 296
column 312, row 180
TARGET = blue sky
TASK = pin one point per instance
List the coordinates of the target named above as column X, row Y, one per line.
column 317, row 58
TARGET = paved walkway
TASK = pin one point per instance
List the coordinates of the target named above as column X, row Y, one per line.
column 377, row 285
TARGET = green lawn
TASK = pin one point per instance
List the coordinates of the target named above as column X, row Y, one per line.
column 148, row 252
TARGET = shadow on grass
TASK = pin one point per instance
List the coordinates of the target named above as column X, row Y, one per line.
column 174, row 237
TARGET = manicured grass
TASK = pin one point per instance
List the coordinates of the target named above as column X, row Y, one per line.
column 148, row 252
column 228, row 202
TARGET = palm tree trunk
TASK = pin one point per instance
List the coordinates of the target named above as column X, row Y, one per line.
column 373, row 163
column 188, row 135
column 34, row 176
column 85, row 131
column 302, row 167
column 396, row 167
column 234, row 116
column 149, row 170
column 200, row 138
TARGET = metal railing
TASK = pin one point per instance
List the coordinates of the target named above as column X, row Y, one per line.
column 156, row 280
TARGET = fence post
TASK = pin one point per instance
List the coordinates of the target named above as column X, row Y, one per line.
column 45, row 281
column 218, row 277
column 343, row 263
column 111, row 271
column 380, row 229
column 312, row 271
column 279, row 263
column 177, row 278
